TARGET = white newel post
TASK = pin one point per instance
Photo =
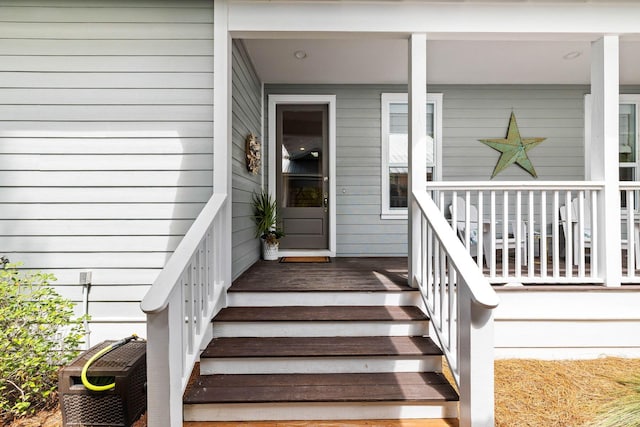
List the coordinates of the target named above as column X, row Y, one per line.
column 604, row 164
column 476, row 374
column 417, row 144
column 164, row 368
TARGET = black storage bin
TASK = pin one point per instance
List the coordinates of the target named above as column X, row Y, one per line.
column 117, row 407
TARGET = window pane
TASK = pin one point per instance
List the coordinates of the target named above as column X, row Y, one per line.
column 398, row 150
column 398, row 134
column 399, row 118
column 398, row 185
column 627, row 133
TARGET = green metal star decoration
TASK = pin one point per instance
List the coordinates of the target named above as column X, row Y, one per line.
column 514, row 149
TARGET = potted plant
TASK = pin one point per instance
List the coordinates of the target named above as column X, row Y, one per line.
column 265, row 216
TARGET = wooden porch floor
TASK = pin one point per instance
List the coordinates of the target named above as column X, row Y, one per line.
column 341, row 274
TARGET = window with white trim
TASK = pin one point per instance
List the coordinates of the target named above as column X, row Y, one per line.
column 395, row 150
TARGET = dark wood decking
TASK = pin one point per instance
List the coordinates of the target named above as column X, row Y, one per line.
column 339, row 423
column 314, row 346
column 320, row 314
column 341, row 274
column 307, row 388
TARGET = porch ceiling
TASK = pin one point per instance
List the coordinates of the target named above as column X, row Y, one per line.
column 487, row 59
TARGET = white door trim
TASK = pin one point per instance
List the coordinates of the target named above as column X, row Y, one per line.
column 330, row 101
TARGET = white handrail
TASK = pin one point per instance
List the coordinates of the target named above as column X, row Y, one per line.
column 514, row 185
column 481, row 291
column 179, row 307
column 157, row 297
column 459, row 301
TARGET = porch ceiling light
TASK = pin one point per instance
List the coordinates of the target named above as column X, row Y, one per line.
column 572, row 55
column 300, row 54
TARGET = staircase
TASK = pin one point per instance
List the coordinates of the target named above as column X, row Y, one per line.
column 339, row 341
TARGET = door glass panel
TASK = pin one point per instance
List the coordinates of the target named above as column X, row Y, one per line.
column 302, row 138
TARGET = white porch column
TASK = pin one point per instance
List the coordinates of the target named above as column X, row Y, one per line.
column 417, row 143
column 604, row 154
column 222, row 62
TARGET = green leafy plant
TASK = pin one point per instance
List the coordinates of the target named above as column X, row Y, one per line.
column 38, row 334
column 265, row 215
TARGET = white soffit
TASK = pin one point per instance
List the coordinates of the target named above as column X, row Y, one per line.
column 382, row 61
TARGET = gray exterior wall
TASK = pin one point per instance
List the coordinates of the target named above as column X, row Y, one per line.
column 105, row 142
column 247, row 118
column 469, row 113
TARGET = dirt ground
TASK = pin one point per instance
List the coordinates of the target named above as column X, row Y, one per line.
column 53, row 418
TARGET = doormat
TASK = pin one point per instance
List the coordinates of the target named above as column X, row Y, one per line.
column 316, row 259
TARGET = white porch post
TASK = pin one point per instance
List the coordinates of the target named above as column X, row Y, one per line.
column 417, row 143
column 604, row 164
column 222, row 129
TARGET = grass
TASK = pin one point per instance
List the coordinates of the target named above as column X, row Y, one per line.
column 622, row 412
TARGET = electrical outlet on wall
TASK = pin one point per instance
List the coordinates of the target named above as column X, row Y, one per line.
column 85, row 277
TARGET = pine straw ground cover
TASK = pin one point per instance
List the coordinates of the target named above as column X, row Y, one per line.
column 530, row 393
column 536, row 393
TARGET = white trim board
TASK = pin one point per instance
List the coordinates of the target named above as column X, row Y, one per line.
column 291, row 19
column 330, row 101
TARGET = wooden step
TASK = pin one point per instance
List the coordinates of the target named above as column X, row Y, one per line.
column 320, row 396
column 320, row 314
column 450, row 422
column 316, row 346
column 327, row 321
column 320, row 355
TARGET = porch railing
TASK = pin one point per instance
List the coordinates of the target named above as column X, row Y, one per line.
column 179, row 307
column 630, row 223
column 526, row 232
column 460, row 303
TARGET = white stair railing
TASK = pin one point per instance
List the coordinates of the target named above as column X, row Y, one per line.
column 520, row 231
column 186, row 295
column 460, row 303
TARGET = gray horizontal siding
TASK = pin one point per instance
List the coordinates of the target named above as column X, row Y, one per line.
column 479, row 112
column 247, row 118
column 106, row 127
column 469, row 113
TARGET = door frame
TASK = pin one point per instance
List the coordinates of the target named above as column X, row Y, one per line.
column 330, row 101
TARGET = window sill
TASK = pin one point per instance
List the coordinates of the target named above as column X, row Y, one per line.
column 394, row 215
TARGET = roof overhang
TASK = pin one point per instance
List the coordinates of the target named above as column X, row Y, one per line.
column 471, row 42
